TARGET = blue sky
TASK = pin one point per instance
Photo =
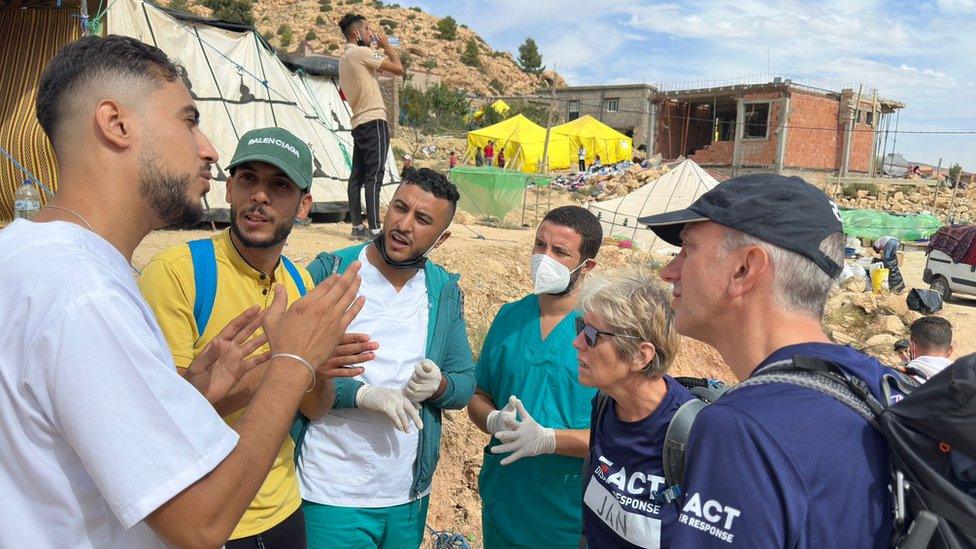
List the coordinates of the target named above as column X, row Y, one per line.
column 922, row 53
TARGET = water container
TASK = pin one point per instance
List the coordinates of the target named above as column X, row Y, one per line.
column 27, row 201
column 393, row 40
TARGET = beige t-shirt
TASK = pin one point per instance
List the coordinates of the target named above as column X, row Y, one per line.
column 357, row 78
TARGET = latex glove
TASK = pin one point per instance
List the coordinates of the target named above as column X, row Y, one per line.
column 390, row 402
column 527, row 439
column 504, row 419
column 424, row 381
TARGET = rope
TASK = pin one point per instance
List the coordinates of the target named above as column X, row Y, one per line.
column 30, row 176
column 448, row 540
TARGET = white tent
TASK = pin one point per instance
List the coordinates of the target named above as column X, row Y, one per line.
column 674, row 190
column 239, row 84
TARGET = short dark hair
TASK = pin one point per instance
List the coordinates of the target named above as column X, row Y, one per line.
column 584, row 223
column 932, row 332
column 90, row 59
column 349, row 21
column 433, row 182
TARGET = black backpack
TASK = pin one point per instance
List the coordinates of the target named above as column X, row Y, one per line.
column 931, row 434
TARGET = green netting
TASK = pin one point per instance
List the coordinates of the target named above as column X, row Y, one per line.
column 874, row 224
column 492, row 191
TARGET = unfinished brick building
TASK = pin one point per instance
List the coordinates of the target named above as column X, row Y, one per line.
column 786, row 127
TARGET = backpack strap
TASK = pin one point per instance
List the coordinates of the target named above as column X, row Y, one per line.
column 602, row 399
column 295, row 275
column 300, row 427
column 705, row 391
column 204, row 281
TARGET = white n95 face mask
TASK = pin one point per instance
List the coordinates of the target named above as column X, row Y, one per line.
column 550, row 276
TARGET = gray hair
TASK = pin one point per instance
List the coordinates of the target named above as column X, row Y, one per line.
column 799, row 285
column 633, row 301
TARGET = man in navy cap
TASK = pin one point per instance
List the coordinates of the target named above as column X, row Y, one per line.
column 774, row 464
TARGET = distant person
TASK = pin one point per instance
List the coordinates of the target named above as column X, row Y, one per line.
column 931, row 346
column 888, row 247
column 902, row 349
column 528, row 368
column 626, row 343
column 582, row 158
column 452, row 160
column 370, row 133
column 479, row 159
column 490, row 153
column 597, row 164
column 407, row 163
column 501, row 158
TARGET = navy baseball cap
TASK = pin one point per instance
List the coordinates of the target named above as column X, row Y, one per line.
column 785, row 211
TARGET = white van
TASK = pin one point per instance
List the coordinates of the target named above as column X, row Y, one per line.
column 947, row 277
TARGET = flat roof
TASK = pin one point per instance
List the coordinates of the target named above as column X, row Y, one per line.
column 601, row 88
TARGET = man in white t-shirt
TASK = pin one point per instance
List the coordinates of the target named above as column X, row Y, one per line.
column 367, row 461
column 930, row 345
column 103, row 443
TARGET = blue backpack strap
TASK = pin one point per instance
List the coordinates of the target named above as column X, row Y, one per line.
column 295, row 275
column 204, row 281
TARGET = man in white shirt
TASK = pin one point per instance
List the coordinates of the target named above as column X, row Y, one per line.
column 103, row 443
column 930, row 344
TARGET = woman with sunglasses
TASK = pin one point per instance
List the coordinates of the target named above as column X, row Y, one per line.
column 626, row 342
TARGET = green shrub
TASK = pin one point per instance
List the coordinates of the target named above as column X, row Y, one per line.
column 447, row 28
column 430, row 63
column 497, row 86
column 471, row 56
column 310, row 35
column 850, row 190
column 416, row 9
column 388, row 23
column 319, row 20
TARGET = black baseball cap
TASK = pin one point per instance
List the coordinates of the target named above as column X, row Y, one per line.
column 902, row 344
column 785, row 211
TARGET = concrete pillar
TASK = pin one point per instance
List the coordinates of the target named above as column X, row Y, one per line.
column 740, row 120
column 784, row 117
column 847, row 109
column 651, row 127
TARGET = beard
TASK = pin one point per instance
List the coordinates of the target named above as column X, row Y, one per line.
column 281, row 229
column 166, row 194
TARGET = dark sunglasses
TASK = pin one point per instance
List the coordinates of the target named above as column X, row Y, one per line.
column 590, row 333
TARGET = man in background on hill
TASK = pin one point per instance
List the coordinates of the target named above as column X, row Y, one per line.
column 370, row 133
column 528, row 362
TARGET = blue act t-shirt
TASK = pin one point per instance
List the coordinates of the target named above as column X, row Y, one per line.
column 778, row 465
column 625, row 457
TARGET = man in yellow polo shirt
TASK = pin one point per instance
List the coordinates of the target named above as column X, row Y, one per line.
column 195, row 289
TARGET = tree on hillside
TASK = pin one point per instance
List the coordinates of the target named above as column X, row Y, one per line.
column 470, row 56
column 234, row 11
column 285, row 36
column 447, row 28
column 310, row 35
column 529, row 57
column 954, row 172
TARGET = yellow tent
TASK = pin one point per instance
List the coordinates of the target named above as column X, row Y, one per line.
column 498, row 106
column 523, row 141
column 598, row 139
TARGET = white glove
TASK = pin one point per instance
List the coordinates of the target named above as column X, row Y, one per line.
column 527, row 439
column 390, row 402
column 504, row 419
column 424, row 381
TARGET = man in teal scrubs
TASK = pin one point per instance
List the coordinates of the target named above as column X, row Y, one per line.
column 529, row 396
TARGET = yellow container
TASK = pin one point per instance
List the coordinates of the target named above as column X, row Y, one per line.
column 879, row 280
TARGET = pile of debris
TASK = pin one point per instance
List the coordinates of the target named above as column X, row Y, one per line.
column 616, row 180
column 913, row 199
column 867, row 321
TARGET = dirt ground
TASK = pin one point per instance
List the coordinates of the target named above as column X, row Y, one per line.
column 494, row 270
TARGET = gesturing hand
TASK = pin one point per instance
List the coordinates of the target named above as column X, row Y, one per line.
column 314, row 325
column 500, row 420
column 226, row 359
column 390, row 402
column 526, row 439
column 424, row 381
column 353, row 349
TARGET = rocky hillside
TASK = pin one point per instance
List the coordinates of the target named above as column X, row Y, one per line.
column 420, row 43
column 911, row 197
